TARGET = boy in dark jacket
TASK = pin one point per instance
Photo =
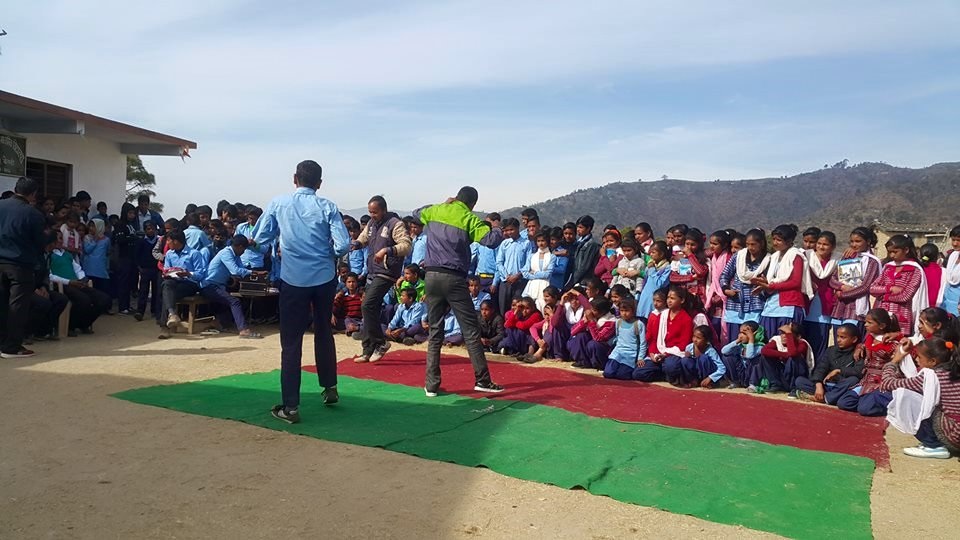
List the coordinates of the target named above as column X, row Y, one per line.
column 149, row 272
column 836, row 372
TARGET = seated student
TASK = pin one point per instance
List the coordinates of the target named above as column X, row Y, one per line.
column 47, row 304
column 87, row 303
column 784, row 358
column 342, row 270
column 742, row 354
column 617, row 293
column 631, row 343
column 938, row 426
column 476, row 293
column 551, row 329
column 600, row 325
column 255, row 257
column 405, row 326
column 452, row 334
column 183, row 272
column 864, row 396
column 518, row 341
column 568, row 313
column 669, row 331
column 657, row 276
column 347, row 313
column 226, row 265
column 836, row 371
column 147, row 268
column 197, row 239
column 491, row 327
column 629, row 270
column 700, row 365
column 411, row 278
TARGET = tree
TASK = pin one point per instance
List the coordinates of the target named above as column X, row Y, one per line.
column 664, row 177
column 141, row 182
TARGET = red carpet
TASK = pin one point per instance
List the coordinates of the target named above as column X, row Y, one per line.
column 740, row 415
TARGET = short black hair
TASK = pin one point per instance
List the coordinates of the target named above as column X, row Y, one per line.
column 309, row 174
column 143, row 197
column 494, row 216
column 190, row 208
column 28, row 186
column 645, row 227
column 586, row 221
column 240, row 240
column 409, row 291
column 177, row 236
column 530, row 213
column 510, row 223
column 101, row 203
column 81, row 195
column 468, row 196
column 191, row 219
column 205, row 209
column 379, row 201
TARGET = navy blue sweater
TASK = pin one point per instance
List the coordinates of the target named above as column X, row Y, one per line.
column 21, row 233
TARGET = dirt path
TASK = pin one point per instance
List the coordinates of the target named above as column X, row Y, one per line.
column 76, row 463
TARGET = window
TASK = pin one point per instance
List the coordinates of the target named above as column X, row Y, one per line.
column 54, row 178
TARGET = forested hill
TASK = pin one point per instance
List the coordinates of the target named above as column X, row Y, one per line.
column 838, row 197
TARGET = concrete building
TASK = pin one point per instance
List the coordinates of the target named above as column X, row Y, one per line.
column 921, row 233
column 69, row 151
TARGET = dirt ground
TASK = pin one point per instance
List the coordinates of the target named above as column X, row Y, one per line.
column 76, row 463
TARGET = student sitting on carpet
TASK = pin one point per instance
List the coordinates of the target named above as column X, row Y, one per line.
column 700, row 364
column 668, row 333
column 491, row 327
column 518, row 341
column 452, row 334
column 347, row 315
column 742, row 354
column 836, row 371
column 865, row 397
column 600, row 327
column 406, row 324
column 631, row 343
column 478, row 296
column 542, row 334
column 784, row 358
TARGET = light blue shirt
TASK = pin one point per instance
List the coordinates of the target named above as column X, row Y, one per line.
column 712, row 355
column 406, row 317
column 631, row 343
column 772, row 307
column 313, row 238
column 451, row 327
column 745, row 351
column 512, row 258
column 480, row 299
column 225, row 264
column 190, row 260
column 357, row 259
column 528, row 272
column 419, row 252
column 484, row 259
column 96, row 261
column 196, row 238
column 254, row 255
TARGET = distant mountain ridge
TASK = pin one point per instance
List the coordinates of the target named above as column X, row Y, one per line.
column 839, row 197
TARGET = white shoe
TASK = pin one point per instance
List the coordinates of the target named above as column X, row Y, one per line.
column 361, row 359
column 924, row 452
column 429, row 393
column 379, row 352
column 173, row 322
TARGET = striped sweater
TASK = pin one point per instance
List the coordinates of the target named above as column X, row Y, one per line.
column 947, row 424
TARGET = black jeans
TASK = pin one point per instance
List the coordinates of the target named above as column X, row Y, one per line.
column 449, row 291
column 299, row 306
column 86, row 305
column 172, row 290
column 372, row 332
column 45, row 312
column 149, row 279
column 17, row 288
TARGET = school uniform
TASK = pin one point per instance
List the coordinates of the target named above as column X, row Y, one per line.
column 493, row 330
column 910, row 279
column 593, row 349
column 715, row 300
column 693, row 369
column 537, row 274
column 851, row 370
column 741, row 360
column 147, row 265
column 818, row 319
column 560, row 267
column 782, row 361
column 452, row 334
column 557, row 335
column 865, row 396
column 174, row 288
column 656, row 279
column 255, row 256
column 196, row 238
column 418, row 253
column 225, row 265
column 410, row 319
column 512, row 258
column 480, row 299
column 631, row 345
column 744, row 305
column 852, row 306
column 942, row 428
column 483, row 264
column 517, row 330
column 664, row 336
column 96, row 263
column 788, row 296
column 951, row 286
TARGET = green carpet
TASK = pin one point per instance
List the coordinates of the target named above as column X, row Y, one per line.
column 784, row 490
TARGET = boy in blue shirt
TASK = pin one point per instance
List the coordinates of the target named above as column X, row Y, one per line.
column 406, row 325
column 357, row 258
column 225, row 266
column 419, row 252
column 183, row 272
column 476, row 294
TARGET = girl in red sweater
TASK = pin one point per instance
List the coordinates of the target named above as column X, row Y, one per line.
column 668, row 334
column 518, row 341
column 786, row 287
column 601, row 326
column 783, row 359
column 883, row 335
column 691, row 270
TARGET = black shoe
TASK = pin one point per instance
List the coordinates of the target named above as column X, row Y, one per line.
column 529, row 359
column 291, row 416
column 488, row 387
column 330, row 395
column 138, row 316
column 22, row 353
column 357, row 336
column 72, row 333
column 409, row 341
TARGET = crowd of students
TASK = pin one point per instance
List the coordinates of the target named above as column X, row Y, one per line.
column 752, row 310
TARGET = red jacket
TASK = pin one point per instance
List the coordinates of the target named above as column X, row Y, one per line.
column 604, row 268
column 528, row 323
column 679, row 331
column 795, row 348
column 791, row 293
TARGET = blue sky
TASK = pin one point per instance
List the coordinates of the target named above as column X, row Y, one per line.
column 525, row 100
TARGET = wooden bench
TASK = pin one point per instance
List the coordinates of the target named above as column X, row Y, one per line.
column 194, row 324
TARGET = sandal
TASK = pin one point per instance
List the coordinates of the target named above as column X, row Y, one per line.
column 251, row 335
column 211, row 332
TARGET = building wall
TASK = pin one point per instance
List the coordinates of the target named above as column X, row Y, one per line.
column 98, row 166
column 919, row 238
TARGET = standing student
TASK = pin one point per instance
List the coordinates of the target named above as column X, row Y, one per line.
column 21, row 251
column 657, row 276
column 96, row 256
column 418, row 251
column 312, row 237
column 901, row 288
column 610, row 255
column 483, row 263
column 742, row 303
column 560, row 246
column 951, row 290
column 835, row 372
column 72, row 240
column 809, row 238
column 786, row 285
column 631, row 344
column 822, row 267
column 513, row 258
column 715, row 299
column 124, row 241
column 147, row 269
column 669, row 331
column 629, row 270
column 855, row 274
column 864, row 397
column 929, row 255
column 742, row 355
column 387, row 244
column 700, row 365
column 690, row 270
column 643, row 234
column 143, row 213
column 197, row 238
column 451, row 227
column 939, row 432
column 227, row 264
column 538, row 271
column 586, row 252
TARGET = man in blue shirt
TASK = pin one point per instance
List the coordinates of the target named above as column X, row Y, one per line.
column 196, row 238
column 183, row 272
column 312, row 237
column 512, row 259
column 226, row 264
